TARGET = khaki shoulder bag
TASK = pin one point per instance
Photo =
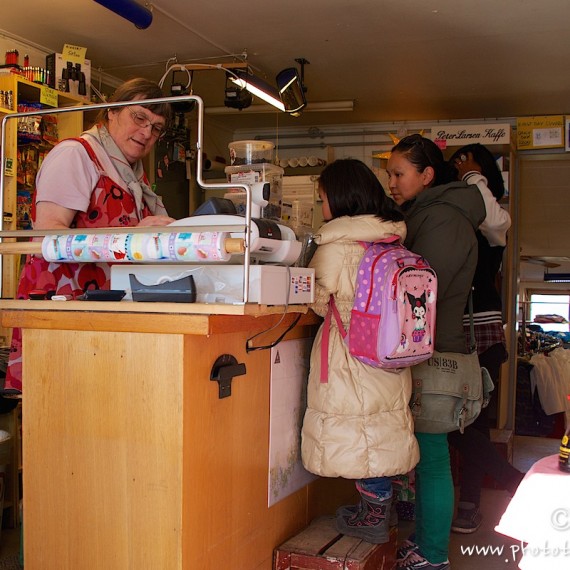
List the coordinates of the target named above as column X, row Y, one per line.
column 450, row 389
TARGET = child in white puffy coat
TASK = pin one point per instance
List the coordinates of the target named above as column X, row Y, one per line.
column 358, row 424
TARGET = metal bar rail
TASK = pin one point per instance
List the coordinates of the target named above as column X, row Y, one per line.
column 199, row 177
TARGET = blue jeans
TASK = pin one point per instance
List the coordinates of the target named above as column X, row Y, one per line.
column 378, row 487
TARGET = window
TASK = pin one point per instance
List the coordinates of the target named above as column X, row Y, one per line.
column 551, row 312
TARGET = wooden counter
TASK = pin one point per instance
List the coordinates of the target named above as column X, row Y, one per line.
column 131, row 460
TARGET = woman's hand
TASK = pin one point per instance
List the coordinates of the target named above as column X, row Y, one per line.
column 156, row 221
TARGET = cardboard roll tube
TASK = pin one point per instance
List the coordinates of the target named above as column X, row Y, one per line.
column 229, row 246
column 21, row 247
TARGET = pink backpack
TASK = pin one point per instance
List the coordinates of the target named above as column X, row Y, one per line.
column 392, row 323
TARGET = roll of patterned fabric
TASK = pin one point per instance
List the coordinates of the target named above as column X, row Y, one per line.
column 164, row 247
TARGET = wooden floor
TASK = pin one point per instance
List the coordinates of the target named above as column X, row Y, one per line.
column 527, row 450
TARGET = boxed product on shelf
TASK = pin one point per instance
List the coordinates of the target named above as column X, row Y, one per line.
column 263, row 172
column 58, row 69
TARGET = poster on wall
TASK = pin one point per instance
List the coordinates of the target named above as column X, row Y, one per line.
column 540, row 132
column 289, row 374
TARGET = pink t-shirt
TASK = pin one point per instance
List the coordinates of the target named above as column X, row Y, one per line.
column 67, row 177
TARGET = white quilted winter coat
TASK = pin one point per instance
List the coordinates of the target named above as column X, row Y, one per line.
column 358, row 425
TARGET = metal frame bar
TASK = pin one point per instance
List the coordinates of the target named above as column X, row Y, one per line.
column 199, row 178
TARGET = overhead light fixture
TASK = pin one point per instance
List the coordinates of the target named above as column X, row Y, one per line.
column 236, row 97
column 132, row 11
column 257, row 87
column 313, row 107
column 557, row 277
column 292, row 89
column 177, row 88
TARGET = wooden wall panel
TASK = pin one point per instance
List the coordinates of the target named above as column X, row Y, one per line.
column 544, row 186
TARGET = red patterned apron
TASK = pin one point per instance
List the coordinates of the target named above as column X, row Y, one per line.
column 110, row 206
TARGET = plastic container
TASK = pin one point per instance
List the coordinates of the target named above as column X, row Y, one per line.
column 249, row 174
column 251, row 152
column 297, row 213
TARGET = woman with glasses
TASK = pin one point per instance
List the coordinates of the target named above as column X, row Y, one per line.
column 94, row 181
column 441, row 215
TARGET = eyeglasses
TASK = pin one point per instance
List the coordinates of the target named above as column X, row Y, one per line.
column 144, row 122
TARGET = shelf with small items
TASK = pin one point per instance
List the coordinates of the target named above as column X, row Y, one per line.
column 303, row 170
column 34, row 95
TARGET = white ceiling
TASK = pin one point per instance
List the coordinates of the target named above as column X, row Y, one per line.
column 398, row 60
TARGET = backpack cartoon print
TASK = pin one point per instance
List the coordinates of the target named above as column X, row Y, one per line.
column 419, row 314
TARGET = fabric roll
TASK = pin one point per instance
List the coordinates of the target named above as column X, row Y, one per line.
column 167, row 247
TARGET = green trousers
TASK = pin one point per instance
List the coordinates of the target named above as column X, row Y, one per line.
column 434, row 497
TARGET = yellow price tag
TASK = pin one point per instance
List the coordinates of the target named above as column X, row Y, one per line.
column 48, row 96
column 75, row 54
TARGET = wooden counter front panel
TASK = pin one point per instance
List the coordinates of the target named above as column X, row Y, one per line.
column 132, row 462
column 226, row 475
column 102, row 423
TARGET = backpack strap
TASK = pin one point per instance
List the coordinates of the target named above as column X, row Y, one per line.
column 394, row 239
column 332, row 311
column 390, row 240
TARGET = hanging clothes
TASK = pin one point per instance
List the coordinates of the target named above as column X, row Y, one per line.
column 551, row 377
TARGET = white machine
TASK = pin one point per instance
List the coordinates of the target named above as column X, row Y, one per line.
column 268, row 284
column 273, row 247
column 270, row 242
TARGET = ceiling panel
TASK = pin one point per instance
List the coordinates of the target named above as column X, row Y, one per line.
column 411, row 60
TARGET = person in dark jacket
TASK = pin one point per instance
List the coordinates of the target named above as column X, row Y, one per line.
column 442, row 215
column 475, row 164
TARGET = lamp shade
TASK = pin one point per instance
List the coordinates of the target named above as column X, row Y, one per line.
column 258, row 87
column 291, row 91
column 132, row 11
column 557, row 277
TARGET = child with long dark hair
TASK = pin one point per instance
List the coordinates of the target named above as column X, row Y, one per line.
column 358, row 423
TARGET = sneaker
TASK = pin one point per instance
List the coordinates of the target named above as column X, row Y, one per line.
column 468, row 519
column 405, row 548
column 415, row 561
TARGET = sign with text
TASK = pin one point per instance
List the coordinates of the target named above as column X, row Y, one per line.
column 540, row 132
column 48, row 96
column 75, row 54
column 460, row 135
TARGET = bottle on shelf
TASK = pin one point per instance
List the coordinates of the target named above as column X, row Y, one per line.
column 564, row 456
column 12, row 57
